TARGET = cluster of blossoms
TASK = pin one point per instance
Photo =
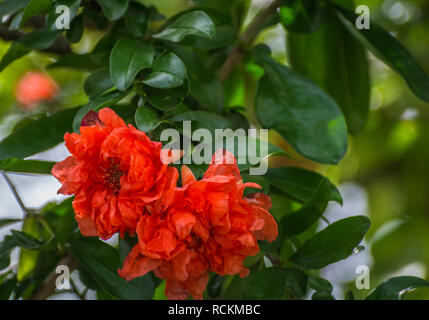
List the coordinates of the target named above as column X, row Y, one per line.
column 121, row 185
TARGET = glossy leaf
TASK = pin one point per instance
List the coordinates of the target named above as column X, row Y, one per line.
column 147, row 119
column 320, row 284
column 204, row 85
column 35, row 7
column 337, row 62
column 391, row 51
column 267, row 284
column 297, row 222
column 9, row 7
column 102, row 262
column 37, row 136
column 75, row 33
column 224, row 26
column 128, row 57
column 300, row 111
column 195, row 23
column 301, row 16
column 5, row 221
column 299, row 183
column 61, row 218
column 166, row 99
column 27, row 263
column 98, row 82
column 168, row 71
column 6, row 247
column 114, row 9
column 391, row 289
column 334, row 243
column 27, row 241
column 7, row 287
column 137, row 19
column 26, row 166
column 296, row 282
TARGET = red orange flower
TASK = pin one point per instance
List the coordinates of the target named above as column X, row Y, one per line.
column 209, row 226
column 114, row 171
column 35, row 87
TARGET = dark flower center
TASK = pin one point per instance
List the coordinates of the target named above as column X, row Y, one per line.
column 112, row 176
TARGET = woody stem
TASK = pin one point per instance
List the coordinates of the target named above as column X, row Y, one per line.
column 247, row 38
column 14, row 192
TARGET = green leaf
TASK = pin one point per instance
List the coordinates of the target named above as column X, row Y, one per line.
column 10, row 7
column 224, row 26
column 299, row 183
column 88, row 280
column 7, row 287
column 147, row 119
column 297, row 222
column 320, row 284
column 5, row 222
column 75, row 33
column 35, row 7
column 214, row 287
column 296, row 282
column 6, row 247
column 37, row 136
column 82, row 62
column 28, row 258
column 168, row 71
column 95, row 103
column 102, row 261
column 98, row 82
column 267, row 284
column 137, row 19
column 61, row 218
column 37, row 40
column 128, row 57
column 27, row 241
column 300, row 111
column 166, row 99
column 391, row 51
column 196, row 23
column 26, row 166
column 332, row 244
column 114, row 9
column 204, row 85
column 322, row 295
column 337, row 62
column 392, row 288
column 16, row 21
column 302, row 16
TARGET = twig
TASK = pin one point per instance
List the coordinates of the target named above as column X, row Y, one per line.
column 48, row 287
column 247, row 38
column 14, row 192
column 326, row 220
column 60, row 46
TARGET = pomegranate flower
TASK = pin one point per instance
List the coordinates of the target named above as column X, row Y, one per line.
column 114, row 171
column 208, row 226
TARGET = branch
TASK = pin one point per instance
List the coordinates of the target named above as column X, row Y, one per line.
column 14, row 192
column 60, row 46
column 247, row 38
column 48, row 287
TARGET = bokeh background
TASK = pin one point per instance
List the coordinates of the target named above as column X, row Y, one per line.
column 384, row 175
